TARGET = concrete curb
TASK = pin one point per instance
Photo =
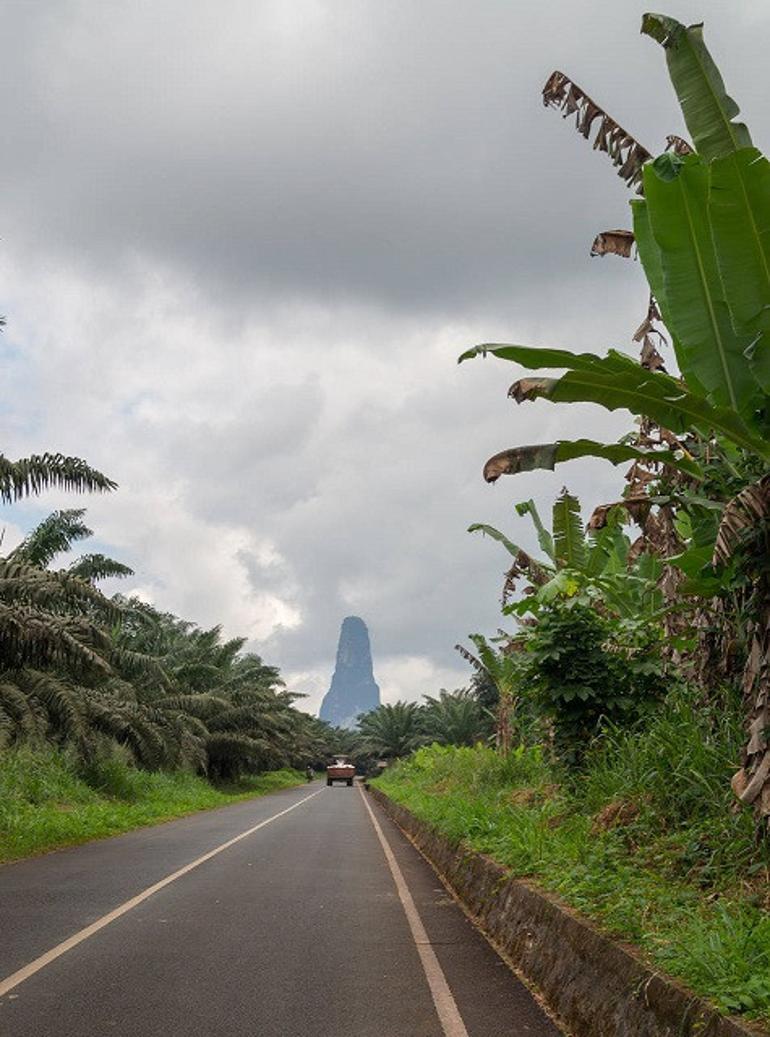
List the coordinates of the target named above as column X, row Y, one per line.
column 596, row 987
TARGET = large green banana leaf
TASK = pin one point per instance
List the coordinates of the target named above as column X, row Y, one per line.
column 678, row 411
column 650, row 255
column 707, row 108
column 739, row 195
column 739, row 209
column 710, row 353
column 616, row 381
column 536, row 358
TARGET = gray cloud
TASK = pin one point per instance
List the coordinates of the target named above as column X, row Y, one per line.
column 390, row 152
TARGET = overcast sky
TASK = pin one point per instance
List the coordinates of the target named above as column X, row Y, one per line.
column 242, row 245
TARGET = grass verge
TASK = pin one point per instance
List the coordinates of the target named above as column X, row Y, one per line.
column 46, row 802
column 643, row 841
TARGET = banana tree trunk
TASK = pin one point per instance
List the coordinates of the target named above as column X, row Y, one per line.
column 503, row 730
column 752, row 782
column 659, row 531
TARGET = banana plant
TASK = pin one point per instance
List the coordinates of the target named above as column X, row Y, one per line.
column 702, row 230
column 595, row 562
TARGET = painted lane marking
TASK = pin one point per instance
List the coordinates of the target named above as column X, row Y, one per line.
column 8, row 984
column 446, row 1006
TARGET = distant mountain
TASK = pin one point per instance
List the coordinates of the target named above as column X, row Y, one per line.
column 353, row 689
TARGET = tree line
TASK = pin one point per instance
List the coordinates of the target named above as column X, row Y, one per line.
column 89, row 673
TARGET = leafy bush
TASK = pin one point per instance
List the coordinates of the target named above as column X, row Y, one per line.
column 585, row 668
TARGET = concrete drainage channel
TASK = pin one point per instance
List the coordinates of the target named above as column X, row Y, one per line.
column 594, row 986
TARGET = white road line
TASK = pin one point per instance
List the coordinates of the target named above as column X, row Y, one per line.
column 26, row 971
column 446, row 1007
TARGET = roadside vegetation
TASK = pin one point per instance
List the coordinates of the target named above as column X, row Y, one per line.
column 642, row 840
column 628, row 697
column 48, row 800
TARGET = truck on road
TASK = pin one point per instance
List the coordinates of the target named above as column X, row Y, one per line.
column 340, row 770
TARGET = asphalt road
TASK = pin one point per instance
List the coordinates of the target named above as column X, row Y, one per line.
column 296, row 930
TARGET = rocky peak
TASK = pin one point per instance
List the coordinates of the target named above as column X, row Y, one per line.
column 353, row 689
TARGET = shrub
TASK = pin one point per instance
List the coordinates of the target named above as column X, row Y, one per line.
column 585, row 669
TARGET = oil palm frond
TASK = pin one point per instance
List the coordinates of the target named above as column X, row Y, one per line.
column 32, row 475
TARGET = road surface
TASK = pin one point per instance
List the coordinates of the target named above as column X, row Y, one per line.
column 322, row 921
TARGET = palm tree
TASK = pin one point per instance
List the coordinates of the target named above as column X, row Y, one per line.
column 242, row 716
column 391, row 730
column 502, row 669
column 55, row 535
column 53, row 618
column 454, row 718
column 32, row 475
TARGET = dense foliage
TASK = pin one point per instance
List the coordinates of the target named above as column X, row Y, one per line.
column 582, row 671
column 632, row 698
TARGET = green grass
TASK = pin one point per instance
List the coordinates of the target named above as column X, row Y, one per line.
column 47, row 802
column 643, row 841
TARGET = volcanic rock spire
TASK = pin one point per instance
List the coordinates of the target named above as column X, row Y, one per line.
column 353, row 689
